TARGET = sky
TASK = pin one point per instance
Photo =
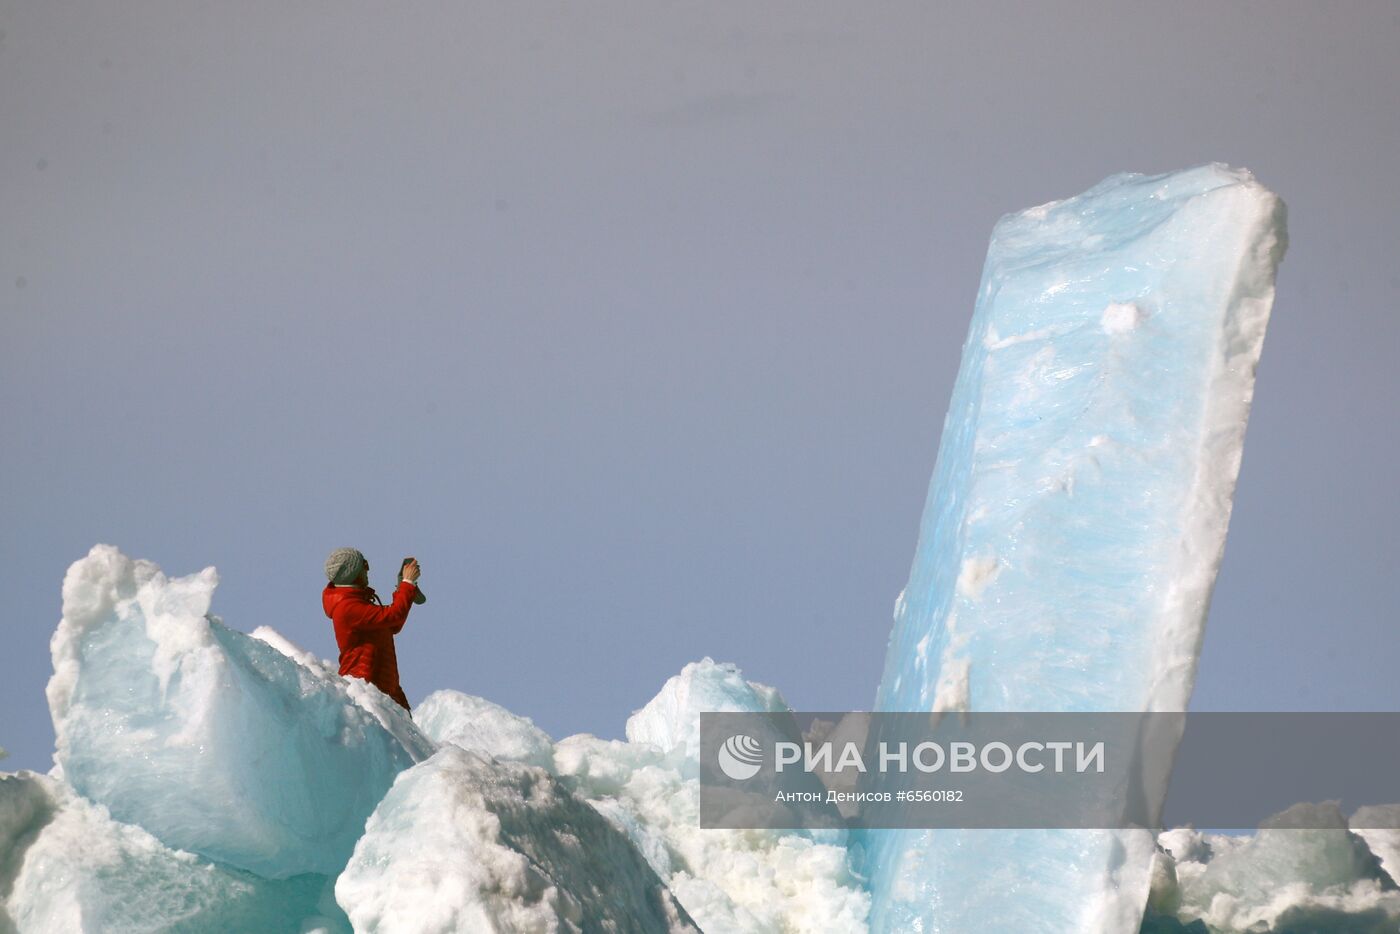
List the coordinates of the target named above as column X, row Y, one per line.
column 636, row 322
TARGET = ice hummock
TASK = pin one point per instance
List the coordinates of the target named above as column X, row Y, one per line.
column 1077, row 514
column 467, row 843
column 671, row 720
column 215, row 742
column 477, row 725
column 731, row 881
column 647, row 787
column 255, row 744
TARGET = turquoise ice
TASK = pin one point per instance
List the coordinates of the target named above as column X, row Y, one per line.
column 1077, row 515
column 214, row 741
column 66, row 865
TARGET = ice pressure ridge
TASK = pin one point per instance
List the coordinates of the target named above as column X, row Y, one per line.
column 207, row 779
column 211, row 780
column 489, row 825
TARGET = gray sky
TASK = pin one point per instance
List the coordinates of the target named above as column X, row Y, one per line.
column 637, row 323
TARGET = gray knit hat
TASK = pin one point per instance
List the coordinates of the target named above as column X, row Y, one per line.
column 345, row 565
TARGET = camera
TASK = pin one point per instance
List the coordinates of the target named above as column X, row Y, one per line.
column 418, row 598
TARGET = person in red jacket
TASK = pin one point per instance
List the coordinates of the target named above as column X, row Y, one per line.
column 365, row 627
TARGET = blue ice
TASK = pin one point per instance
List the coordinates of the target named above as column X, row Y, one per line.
column 1077, row 515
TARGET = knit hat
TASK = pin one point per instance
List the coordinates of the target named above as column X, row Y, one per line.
column 345, row 565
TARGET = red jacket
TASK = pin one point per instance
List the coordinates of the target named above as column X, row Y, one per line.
column 364, row 630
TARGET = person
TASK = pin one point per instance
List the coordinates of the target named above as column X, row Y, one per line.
column 364, row 626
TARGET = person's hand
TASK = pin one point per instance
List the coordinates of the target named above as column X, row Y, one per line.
column 411, row 571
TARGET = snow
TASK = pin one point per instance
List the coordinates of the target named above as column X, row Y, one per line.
column 1277, row 879
column 1077, row 514
column 1376, row 824
column 1121, row 317
column 477, row 725
column 671, row 721
column 467, row 843
column 737, row 881
column 729, row 880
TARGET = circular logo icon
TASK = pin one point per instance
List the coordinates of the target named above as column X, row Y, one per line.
column 740, row 757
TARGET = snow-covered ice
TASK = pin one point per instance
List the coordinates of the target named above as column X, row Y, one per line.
column 1376, row 825
column 466, row 843
column 477, row 725
column 1282, row 880
column 671, row 721
column 731, row 881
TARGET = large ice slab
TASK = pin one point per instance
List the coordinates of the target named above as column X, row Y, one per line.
column 1077, row 513
column 466, row 843
column 215, row 742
